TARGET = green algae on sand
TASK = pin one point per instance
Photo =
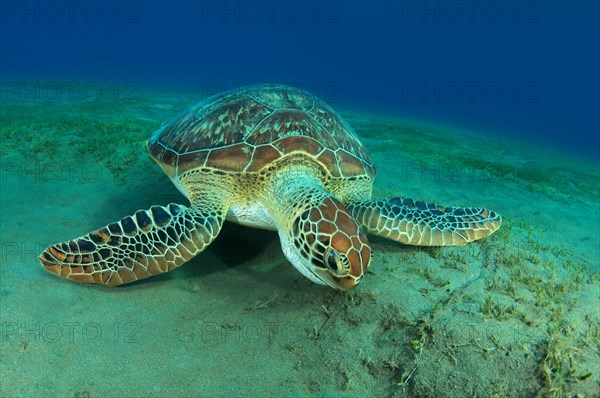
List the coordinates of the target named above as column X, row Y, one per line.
column 513, row 315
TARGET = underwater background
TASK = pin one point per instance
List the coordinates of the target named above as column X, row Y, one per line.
column 479, row 103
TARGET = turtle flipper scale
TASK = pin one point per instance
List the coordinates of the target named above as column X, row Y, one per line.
column 148, row 243
column 424, row 224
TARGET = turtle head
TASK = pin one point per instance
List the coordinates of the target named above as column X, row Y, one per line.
column 328, row 246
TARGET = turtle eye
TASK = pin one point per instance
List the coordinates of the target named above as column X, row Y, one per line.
column 331, row 263
column 334, row 262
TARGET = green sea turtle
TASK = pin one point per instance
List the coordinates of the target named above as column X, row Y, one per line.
column 272, row 157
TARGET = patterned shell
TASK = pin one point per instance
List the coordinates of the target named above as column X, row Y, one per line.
column 246, row 129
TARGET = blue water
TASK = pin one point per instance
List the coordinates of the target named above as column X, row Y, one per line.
column 522, row 68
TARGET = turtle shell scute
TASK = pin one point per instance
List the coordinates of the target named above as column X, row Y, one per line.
column 245, row 130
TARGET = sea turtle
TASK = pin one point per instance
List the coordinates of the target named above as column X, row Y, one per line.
column 272, row 157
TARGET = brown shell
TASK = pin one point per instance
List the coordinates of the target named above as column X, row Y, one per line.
column 246, row 129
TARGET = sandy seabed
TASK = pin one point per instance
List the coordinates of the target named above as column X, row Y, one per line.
column 512, row 315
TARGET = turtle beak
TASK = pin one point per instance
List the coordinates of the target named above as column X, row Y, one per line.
column 317, row 275
column 338, row 283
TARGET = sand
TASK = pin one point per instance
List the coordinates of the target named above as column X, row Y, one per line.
column 512, row 315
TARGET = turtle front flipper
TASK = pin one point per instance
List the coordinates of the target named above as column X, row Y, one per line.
column 424, row 224
column 148, row 243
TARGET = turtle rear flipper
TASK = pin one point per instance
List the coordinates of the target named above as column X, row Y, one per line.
column 148, row 243
column 424, row 224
